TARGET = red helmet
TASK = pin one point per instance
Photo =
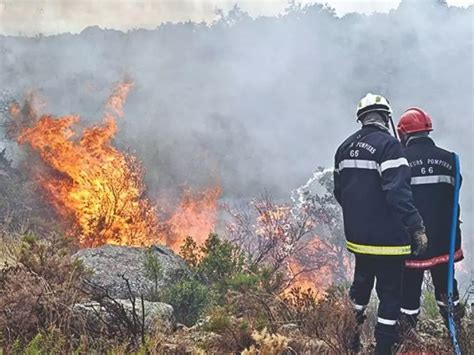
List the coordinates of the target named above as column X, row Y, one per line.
column 414, row 120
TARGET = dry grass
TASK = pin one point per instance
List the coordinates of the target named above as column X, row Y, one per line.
column 9, row 249
column 38, row 292
column 267, row 344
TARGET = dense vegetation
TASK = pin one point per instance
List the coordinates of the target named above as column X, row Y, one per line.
column 225, row 306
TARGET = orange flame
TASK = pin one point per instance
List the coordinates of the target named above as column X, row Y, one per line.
column 273, row 222
column 91, row 183
column 116, row 101
column 195, row 216
column 100, row 190
column 316, row 267
column 304, row 279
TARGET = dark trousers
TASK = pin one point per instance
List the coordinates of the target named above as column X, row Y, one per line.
column 387, row 273
column 412, row 284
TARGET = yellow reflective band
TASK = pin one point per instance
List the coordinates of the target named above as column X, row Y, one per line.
column 379, row 249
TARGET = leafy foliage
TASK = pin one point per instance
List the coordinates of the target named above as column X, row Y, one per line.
column 220, row 261
column 189, row 251
column 216, row 265
column 244, row 316
column 153, row 269
column 189, row 298
column 47, row 342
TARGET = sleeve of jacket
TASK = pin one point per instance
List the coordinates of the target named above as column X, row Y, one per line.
column 337, row 179
column 396, row 178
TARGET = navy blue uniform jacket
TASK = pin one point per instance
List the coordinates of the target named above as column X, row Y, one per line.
column 432, row 183
column 372, row 184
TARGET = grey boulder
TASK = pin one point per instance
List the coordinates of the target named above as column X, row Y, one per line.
column 112, row 266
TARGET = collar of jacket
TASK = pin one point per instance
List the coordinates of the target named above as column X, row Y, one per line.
column 420, row 140
column 375, row 118
column 376, row 127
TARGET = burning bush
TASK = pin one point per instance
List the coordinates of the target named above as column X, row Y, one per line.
column 97, row 190
column 302, row 241
column 89, row 181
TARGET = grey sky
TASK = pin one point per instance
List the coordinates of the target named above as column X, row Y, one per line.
column 30, row 17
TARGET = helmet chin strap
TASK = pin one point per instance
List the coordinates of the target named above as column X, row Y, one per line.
column 395, row 134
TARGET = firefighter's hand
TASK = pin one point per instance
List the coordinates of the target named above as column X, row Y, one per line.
column 419, row 242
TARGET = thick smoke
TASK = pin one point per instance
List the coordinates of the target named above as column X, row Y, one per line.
column 258, row 103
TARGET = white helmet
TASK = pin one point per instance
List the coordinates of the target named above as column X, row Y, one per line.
column 372, row 102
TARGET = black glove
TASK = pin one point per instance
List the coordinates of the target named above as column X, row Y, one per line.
column 419, row 242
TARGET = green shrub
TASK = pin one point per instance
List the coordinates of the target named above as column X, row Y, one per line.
column 220, row 260
column 153, row 269
column 190, row 299
column 430, row 307
column 219, row 320
column 47, row 342
column 217, row 266
column 269, row 279
column 243, row 282
column 189, row 251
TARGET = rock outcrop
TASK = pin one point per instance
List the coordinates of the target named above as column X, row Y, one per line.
column 112, row 265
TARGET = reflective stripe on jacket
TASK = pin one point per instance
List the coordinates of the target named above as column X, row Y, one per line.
column 372, row 185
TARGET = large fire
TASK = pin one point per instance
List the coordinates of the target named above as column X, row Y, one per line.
column 100, row 189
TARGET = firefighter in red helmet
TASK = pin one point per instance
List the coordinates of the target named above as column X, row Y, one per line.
column 432, row 183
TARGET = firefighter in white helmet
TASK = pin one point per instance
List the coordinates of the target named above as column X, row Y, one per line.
column 381, row 222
